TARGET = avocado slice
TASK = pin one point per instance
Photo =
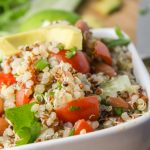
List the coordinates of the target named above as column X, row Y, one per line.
column 9, row 44
column 106, row 7
column 6, row 48
column 68, row 35
column 36, row 20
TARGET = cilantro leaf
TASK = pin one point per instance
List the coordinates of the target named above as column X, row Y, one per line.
column 41, row 64
column 59, row 85
column 60, row 46
column 24, row 123
column 72, row 132
column 71, row 52
column 74, row 108
column 118, row 111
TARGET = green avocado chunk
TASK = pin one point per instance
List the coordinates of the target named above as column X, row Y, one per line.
column 36, row 20
column 24, row 123
column 120, row 83
column 67, row 35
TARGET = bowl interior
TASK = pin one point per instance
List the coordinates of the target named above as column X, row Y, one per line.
column 140, row 71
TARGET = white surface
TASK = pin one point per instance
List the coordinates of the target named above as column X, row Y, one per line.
column 132, row 135
column 143, row 31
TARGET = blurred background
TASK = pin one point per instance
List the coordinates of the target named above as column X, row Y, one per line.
column 133, row 16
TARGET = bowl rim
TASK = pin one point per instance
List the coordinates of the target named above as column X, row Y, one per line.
column 103, row 33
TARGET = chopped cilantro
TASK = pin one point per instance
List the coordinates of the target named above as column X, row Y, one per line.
column 41, row 64
column 24, row 123
column 51, row 93
column 16, row 75
column 1, row 60
column 74, row 108
column 118, row 111
column 39, row 97
column 60, row 46
column 72, row 132
column 59, row 85
column 71, row 52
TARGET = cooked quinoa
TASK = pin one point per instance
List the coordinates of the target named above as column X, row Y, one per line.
column 52, row 90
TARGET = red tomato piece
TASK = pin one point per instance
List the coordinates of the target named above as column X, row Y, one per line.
column 78, row 61
column 106, row 69
column 7, row 79
column 83, row 108
column 22, row 98
column 82, row 124
column 101, row 51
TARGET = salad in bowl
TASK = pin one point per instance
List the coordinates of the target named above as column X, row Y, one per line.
column 61, row 81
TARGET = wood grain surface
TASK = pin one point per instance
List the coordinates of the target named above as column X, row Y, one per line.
column 126, row 17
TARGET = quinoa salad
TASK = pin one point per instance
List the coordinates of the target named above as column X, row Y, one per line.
column 49, row 90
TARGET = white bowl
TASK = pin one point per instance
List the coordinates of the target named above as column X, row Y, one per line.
column 132, row 135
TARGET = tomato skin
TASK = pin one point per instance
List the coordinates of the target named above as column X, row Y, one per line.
column 7, row 78
column 89, row 110
column 82, row 124
column 21, row 98
column 106, row 69
column 78, row 61
column 101, row 51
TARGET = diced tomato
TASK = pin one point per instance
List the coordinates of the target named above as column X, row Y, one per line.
column 7, row 79
column 101, row 51
column 82, row 124
column 78, row 61
column 106, row 69
column 83, row 108
column 22, row 98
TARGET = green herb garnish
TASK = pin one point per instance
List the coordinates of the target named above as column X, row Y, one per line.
column 72, row 132
column 59, row 85
column 74, row 108
column 71, row 52
column 118, row 42
column 118, row 111
column 122, row 40
column 25, row 125
column 39, row 97
column 41, row 64
column 1, row 60
column 60, row 46
column 16, row 75
column 51, row 93
column 119, row 32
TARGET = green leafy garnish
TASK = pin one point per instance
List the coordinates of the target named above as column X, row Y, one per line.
column 122, row 40
column 74, row 108
column 117, row 42
column 72, row 132
column 39, row 97
column 41, row 64
column 60, row 46
column 119, row 32
column 118, row 111
column 71, row 52
column 51, row 93
column 59, row 85
column 10, row 12
column 25, row 125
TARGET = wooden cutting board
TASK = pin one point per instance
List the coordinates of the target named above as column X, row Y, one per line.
column 126, row 17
